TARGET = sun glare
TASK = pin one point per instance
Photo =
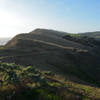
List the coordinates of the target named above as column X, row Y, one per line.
column 7, row 23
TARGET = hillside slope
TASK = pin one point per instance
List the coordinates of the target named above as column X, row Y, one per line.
column 49, row 50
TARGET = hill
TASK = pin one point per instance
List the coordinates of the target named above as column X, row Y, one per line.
column 95, row 34
column 49, row 50
column 92, row 34
column 74, row 58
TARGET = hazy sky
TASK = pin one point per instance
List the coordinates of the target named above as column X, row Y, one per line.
column 17, row 16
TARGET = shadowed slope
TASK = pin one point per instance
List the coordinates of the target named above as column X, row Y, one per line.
column 48, row 50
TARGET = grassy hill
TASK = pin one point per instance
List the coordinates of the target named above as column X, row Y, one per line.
column 72, row 57
column 95, row 34
column 92, row 34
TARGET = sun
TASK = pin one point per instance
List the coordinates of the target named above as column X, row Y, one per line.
column 8, row 22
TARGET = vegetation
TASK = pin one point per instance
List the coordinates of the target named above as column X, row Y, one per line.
column 84, row 40
column 95, row 35
column 1, row 47
column 74, row 35
column 27, row 83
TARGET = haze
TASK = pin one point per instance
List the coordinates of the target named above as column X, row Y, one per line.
column 18, row 16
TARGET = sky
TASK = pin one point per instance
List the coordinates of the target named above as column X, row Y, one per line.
column 23, row 16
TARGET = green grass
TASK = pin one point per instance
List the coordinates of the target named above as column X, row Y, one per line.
column 28, row 83
column 74, row 35
column 1, row 47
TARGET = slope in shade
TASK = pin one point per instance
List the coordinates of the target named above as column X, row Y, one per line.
column 48, row 50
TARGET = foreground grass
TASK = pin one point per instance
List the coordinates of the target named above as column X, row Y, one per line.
column 27, row 83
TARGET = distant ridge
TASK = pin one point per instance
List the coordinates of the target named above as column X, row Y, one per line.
column 95, row 34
